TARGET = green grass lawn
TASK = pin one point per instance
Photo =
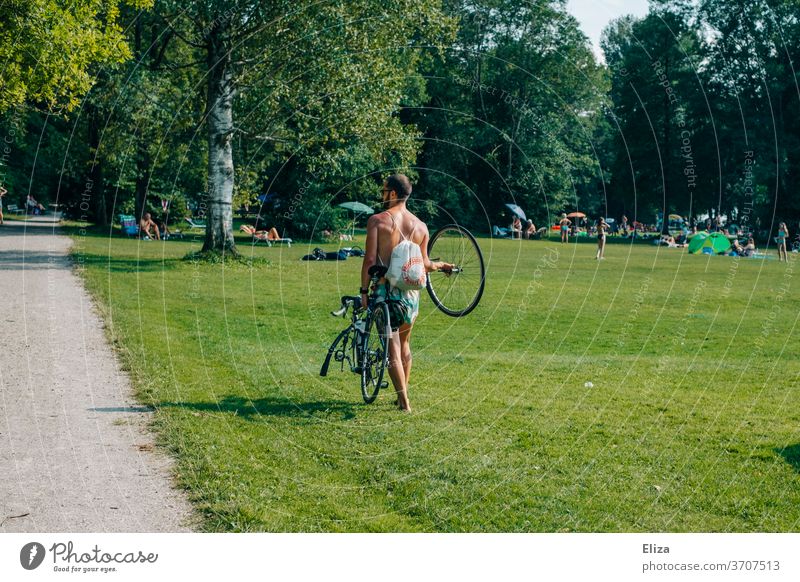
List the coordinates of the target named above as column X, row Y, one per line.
column 692, row 423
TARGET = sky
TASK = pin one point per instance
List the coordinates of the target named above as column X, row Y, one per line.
column 593, row 15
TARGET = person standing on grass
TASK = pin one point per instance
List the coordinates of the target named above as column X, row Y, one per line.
column 564, row 222
column 602, row 225
column 783, row 235
column 385, row 230
column 3, row 192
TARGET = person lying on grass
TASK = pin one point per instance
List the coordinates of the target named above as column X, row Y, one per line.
column 384, row 232
column 271, row 234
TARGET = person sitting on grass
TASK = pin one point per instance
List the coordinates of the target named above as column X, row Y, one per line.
column 262, row 235
column 516, row 228
column 530, row 229
column 33, row 205
column 736, row 248
column 165, row 233
column 148, row 228
column 749, row 248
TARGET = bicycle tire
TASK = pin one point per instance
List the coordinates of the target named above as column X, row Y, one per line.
column 331, row 350
column 375, row 351
column 458, row 293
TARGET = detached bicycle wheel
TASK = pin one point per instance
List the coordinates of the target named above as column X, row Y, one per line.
column 458, row 292
column 375, row 352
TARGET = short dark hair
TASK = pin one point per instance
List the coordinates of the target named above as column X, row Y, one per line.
column 400, row 184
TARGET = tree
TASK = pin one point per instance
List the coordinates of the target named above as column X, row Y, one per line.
column 50, row 49
column 512, row 112
column 655, row 91
column 310, row 78
column 750, row 60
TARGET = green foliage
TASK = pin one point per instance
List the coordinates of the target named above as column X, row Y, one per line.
column 706, row 110
column 50, row 48
column 655, row 92
column 512, row 111
column 482, row 103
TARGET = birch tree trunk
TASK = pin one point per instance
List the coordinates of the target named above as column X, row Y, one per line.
column 219, row 106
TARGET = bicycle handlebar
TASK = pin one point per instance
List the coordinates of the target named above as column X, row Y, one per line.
column 347, row 302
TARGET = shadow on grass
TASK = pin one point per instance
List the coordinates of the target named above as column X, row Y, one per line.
column 791, row 455
column 269, row 406
column 126, row 265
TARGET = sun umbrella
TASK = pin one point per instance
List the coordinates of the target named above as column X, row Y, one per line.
column 517, row 211
column 357, row 207
column 576, row 215
column 714, row 243
column 675, row 217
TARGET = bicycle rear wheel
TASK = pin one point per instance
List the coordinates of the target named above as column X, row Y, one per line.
column 456, row 293
column 375, row 352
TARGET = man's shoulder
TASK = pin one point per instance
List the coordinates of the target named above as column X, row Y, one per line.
column 378, row 219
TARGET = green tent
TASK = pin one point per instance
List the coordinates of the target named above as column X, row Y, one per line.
column 716, row 243
column 696, row 241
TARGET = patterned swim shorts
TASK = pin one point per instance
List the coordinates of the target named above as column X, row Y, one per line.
column 403, row 305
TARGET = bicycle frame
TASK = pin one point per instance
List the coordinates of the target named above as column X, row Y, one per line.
column 352, row 337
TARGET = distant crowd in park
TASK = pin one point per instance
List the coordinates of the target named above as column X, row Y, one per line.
column 675, row 233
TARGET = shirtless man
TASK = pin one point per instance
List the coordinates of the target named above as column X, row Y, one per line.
column 383, row 234
column 148, row 227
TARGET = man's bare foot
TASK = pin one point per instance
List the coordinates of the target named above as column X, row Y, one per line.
column 402, row 402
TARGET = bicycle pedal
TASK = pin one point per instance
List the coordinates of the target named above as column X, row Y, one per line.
column 384, row 384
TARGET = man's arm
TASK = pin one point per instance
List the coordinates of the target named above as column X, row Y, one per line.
column 430, row 265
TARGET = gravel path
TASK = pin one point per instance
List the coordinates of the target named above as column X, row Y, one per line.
column 75, row 452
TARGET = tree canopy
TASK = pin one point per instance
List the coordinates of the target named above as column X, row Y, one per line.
column 49, row 49
column 211, row 105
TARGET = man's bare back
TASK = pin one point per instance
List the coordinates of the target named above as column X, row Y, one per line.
column 392, row 225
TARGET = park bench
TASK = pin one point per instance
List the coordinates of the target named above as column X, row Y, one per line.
column 14, row 208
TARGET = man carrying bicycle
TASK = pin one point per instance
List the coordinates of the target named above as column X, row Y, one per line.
column 385, row 230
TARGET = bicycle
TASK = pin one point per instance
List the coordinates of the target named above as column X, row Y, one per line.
column 364, row 343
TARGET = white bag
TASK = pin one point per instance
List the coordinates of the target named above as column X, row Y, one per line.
column 406, row 267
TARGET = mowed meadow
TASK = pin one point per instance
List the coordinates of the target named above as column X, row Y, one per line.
column 651, row 391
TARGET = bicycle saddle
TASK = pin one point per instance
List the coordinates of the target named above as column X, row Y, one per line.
column 377, row 271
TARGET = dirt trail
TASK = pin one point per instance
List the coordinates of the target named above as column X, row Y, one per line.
column 75, row 453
